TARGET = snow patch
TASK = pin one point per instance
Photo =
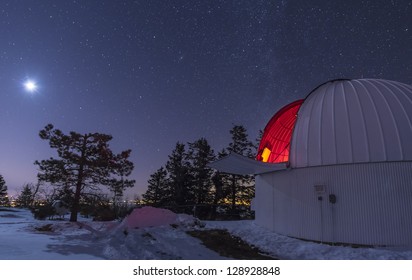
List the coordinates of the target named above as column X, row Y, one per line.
column 149, row 217
column 161, row 235
column 155, row 217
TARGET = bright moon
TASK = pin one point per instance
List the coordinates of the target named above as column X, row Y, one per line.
column 30, row 86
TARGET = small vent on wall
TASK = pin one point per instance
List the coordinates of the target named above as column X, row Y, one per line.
column 320, row 189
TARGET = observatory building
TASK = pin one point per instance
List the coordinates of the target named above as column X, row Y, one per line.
column 337, row 165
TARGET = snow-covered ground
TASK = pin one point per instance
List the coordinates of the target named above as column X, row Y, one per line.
column 150, row 233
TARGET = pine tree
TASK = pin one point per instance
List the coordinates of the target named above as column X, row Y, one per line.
column 241, row 187
column 65, row 194
column 200, row 154
column 122, row 168
column 258, row 139
column 240, row 143
column 26, row 197
column 4, row 199
column 157, row 193
column 179, row 177
column 84, row 161
column 218, row 192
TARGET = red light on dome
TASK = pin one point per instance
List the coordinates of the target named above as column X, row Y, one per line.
column 275, row 144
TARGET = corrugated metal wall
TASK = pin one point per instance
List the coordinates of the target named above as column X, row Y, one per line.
column 373, row 203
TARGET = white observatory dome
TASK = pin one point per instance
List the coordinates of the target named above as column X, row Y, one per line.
column 353, row 121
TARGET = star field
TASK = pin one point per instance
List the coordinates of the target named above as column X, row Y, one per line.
column 152, row 73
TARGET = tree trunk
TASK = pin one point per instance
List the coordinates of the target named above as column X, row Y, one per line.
column 217, row 181
column 233, row 192
column 216, row 197
column 79, row 184
column 75, row 206
column 34, row 195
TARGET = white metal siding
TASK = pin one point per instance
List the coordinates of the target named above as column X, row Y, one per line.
column 374, row 203
column 263, row 203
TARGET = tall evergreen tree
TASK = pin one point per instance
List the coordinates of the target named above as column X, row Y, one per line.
column 241, row 187
column 157, row 193
column 26, row 196
column 84, row 161
column 240, row 143
column 4, row 199
column 200, row 154
column 179, row 177
column 258, row 139
column 218, row 194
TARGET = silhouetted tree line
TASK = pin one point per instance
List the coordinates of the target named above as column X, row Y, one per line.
column 187, row 184
column 85, row 163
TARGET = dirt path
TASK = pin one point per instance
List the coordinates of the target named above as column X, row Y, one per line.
column 230, row 246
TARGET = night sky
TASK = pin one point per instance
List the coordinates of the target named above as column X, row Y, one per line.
column 154, row 72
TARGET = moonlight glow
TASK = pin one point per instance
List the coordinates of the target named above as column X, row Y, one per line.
column 30, row 86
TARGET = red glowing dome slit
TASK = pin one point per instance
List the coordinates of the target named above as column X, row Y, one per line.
column 275, row 143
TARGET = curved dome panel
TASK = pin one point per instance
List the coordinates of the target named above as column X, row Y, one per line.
column 352, row 121
column 275, row 143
